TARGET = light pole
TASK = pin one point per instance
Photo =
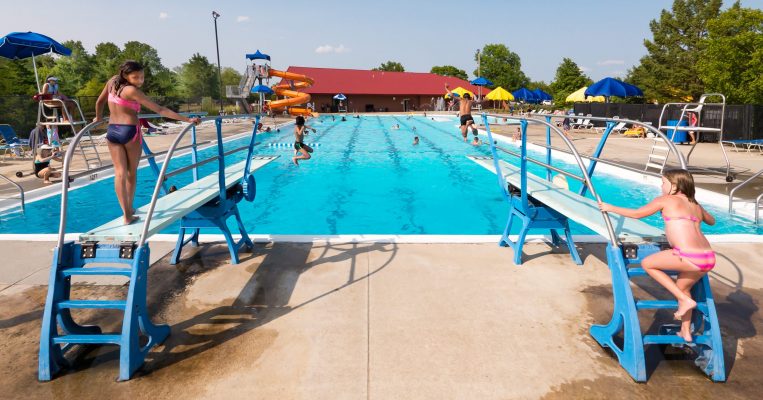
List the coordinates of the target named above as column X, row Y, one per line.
column 215, row 16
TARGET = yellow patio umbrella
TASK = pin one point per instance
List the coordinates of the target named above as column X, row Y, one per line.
column 579, row 96
column 460, row 91
column 500, row 94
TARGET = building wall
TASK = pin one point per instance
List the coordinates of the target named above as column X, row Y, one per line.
column 373, row 103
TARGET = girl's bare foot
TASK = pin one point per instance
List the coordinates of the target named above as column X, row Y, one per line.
column 294, row 160
column 47, row 182
column 129, row 220
column 684, row 305
column 685, row 336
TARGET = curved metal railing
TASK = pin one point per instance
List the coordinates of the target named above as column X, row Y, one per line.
column 19, row 188
column 65, row 172
column 585, row 179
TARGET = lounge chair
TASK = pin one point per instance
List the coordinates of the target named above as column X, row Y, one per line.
column 747, row 144
column 12, row 144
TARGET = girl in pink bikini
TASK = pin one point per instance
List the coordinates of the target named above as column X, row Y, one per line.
column 691, row 255
column 124, row 97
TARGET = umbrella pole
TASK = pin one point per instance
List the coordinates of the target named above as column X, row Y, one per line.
column 36, row 77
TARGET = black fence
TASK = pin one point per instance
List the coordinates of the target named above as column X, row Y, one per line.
column 20, row 112
column 742, row 122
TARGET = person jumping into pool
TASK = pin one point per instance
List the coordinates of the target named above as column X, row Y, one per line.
column 465, row 111
column 691, row 255
column 301, row 150
column 124, row 97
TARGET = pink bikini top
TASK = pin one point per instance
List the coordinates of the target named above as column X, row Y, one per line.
column 688, row 218
column 132, row 104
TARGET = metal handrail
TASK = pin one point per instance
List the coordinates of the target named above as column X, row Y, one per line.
column 757, row 208
column 20, row 189
column 67, row 164
column 586, row 178
column 601, row 160
column 737, row 187
column 163, row 172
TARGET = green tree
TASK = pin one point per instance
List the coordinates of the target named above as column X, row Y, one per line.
column 449, row 70
column 108, row 57
column 16, row 78
column 74, row 71
column 502, row 66
column 158, row 78
column 392, row 66
column 198, row 78
column 732, row 63
column 669, row 70
column 568, row 79
column 230, row 76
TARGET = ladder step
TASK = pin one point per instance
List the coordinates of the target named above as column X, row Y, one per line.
column 665, row 305
column 113, row 304
column 653, row 165
column 675, row 339
column 97, row 271
column 663, row 148
column 89, row 339
column 638, row 271
column 657, row 156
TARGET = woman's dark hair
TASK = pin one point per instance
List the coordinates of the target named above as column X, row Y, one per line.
column 682, row 182
column 300, row 120
column 119, row 81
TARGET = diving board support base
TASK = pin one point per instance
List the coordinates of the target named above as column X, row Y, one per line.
column 707, row 344
column 537, row 217
column 135, row 322
column 213, row 215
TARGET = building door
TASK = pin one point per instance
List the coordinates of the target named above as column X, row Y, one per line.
column 406, row 103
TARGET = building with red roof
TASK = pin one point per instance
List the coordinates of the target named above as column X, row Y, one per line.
column 369, row 91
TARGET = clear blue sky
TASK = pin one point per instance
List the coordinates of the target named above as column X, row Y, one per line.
column 604, row 37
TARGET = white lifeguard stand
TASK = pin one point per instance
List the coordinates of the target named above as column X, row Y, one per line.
column 257, row 71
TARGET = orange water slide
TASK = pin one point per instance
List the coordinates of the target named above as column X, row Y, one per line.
column 289, row 90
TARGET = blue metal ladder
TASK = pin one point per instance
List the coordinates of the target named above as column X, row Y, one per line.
column 707, row 345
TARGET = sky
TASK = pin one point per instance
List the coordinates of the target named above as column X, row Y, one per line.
column 604, row 37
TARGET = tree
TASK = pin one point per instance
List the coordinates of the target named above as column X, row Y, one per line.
column 502, row 66
column 568, row 79
column 668, row 71
column 158, row 77
column 108, row 57
column 198, row 78
column 449, row 70
column 230, row 77
column 392, row 66
column 76, row 70
column 732, row 63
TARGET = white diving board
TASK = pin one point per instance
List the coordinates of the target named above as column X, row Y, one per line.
column 580, row 209
column 172, row 206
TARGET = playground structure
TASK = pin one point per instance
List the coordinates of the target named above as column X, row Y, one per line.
column 257, row 77
column 537, row 203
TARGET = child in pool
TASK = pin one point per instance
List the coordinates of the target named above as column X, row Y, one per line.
column 301, row 150
column 691, row 255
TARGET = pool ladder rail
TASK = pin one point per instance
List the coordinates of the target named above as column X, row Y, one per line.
column 15, row 187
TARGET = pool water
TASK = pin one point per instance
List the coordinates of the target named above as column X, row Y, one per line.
column 364, row 178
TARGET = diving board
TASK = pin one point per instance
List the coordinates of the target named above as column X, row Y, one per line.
column 582, row 210
column 172, row 206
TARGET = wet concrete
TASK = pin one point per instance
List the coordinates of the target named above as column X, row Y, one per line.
column 386, row 321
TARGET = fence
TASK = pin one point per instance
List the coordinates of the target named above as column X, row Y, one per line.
column 20, row 112
column 743, row 122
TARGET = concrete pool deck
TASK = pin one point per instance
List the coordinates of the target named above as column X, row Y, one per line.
column 381, row 321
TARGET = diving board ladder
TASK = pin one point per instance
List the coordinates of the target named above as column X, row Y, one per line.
column 115, row 249
column 536, row 199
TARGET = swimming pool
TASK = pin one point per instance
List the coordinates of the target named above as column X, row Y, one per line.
column 364, row 178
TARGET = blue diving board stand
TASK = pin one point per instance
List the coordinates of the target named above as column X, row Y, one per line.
column 213, row 198
column 539, row 203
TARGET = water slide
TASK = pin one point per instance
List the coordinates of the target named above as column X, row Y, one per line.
column 289, row 90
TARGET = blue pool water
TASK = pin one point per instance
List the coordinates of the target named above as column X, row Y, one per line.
column 364, row 178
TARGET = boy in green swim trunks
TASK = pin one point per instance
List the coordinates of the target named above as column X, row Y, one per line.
column 301, row 150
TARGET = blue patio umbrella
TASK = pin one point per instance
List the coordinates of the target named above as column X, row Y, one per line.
column 542, row 95
column 481, row 82
column 20, row 45
column 525, row 94
column 612, row 87
column 340, row 97
column 262, row 89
